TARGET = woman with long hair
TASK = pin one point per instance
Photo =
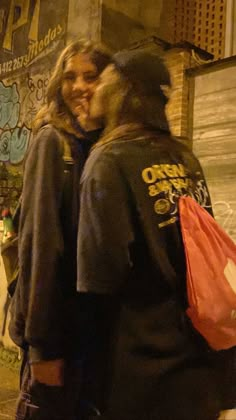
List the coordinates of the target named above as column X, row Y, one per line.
column 56, row 109
column 44, row 307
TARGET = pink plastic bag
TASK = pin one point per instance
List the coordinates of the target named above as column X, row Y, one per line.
column 211, row 275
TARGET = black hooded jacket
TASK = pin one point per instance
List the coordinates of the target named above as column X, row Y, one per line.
column 130, row 251
column 43, row 310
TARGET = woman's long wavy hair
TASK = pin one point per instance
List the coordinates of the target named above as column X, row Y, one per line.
column 125, row 104
column 55, row 111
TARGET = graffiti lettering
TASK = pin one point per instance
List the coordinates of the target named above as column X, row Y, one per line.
column 13, row 26
column 224, row 214
column 41, row 89
column 34, row 49
column 18, row 63
column 13, row 145
column 35, row 97
column 34, row 27
column 13, row 140
column 9, row 106
column 37, row 47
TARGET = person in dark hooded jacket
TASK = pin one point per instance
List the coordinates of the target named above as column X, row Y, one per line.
column 44, row 306
column 131, row 262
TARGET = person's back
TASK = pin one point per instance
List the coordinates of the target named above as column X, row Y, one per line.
column 160, row 360
column 130, row 252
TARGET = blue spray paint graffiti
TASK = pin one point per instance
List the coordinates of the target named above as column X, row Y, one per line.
column 9, row 106
column 14, row 139
column 19, row 144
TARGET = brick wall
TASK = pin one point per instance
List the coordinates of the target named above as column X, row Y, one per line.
column 177, row 109
column 180, row 106
column 178, row 60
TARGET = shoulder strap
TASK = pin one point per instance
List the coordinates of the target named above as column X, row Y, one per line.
column 67, row 156
column 16, row 215
column 67, row 204
column 68, row 165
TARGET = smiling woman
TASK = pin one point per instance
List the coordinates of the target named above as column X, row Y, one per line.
column 80, row 77
column 70, row 80
column 45, row 306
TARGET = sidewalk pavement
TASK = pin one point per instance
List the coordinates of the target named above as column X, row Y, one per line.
column 9, row 388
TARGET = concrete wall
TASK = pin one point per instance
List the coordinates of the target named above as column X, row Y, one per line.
column 84, row 19
column 125, row 22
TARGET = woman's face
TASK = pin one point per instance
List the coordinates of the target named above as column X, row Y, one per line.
column 79, row 80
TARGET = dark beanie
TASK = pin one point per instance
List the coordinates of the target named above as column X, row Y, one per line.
column 146, row 71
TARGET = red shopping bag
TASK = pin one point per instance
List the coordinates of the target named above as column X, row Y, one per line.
column 211, row 275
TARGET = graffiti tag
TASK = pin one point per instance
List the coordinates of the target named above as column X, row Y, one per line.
column 13, row 139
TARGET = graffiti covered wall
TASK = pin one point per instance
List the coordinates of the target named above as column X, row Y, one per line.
column 32, row 33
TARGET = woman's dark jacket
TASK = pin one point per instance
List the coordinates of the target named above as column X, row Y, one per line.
column 43, row 311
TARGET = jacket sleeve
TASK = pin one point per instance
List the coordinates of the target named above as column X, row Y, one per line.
column 41, row 246
column 105, row 228
column 103, row 265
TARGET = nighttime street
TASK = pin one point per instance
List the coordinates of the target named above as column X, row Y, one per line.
column 118, row 209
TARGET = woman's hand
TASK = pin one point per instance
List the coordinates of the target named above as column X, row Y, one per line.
column 48, row 372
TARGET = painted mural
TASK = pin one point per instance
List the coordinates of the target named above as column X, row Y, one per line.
column 32, row 34
column 29, row 28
